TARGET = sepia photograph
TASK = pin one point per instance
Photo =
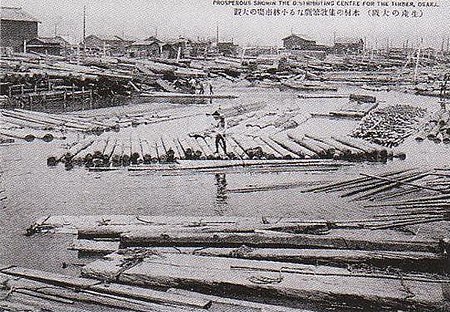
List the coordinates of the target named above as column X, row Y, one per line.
column 224, row 156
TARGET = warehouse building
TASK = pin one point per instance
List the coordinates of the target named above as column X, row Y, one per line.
column 16, row 27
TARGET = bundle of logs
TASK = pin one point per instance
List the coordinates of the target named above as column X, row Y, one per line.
column 295, row 263
column 389, row 126
column 437, row 128
column 118, row 151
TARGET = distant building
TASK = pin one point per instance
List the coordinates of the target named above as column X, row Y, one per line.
column 299, row 42
column 348, row 45
column 144, row 49
column 16, row 26
column 109, row 44
column 44, row 45
column 227, row 48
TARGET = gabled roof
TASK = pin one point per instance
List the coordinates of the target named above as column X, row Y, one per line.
column 144, row 43
column 347, row 40
column 66, row 39
column 304, row 37
column 107, row 37
column 16, row 14
column 46, row 40
column 153, row 38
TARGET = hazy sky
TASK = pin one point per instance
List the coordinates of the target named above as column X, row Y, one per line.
column 198, row 18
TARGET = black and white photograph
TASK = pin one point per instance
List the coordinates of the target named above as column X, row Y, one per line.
column 224, row 156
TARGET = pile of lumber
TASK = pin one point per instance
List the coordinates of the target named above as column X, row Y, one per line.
column 389, row 126
column 38, row 121
column 437, row 128
column 293, row 262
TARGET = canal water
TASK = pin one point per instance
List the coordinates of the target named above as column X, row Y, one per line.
column 34, row 190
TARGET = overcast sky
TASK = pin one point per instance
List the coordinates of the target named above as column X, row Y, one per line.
column 198, row 18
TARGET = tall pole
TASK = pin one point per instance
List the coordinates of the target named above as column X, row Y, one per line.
column 217, row 33
column 84, row 29
column 84, row 25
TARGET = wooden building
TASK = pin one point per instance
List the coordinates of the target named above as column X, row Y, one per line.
column 145, row 49
column 348, row 45
column 44, row 45
column 227, row 48
column 299, row 42
column 16, row 27
column 108, row 44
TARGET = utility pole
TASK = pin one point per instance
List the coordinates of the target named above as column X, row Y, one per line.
column 84, row 29
column 217, row 33
column 416, row 70
column 84, row 25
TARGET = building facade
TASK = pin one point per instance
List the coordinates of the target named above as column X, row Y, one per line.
column 16, row 27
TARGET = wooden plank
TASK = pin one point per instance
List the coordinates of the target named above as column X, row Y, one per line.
column 52, row 278
column 241, row 305
column 150, row 295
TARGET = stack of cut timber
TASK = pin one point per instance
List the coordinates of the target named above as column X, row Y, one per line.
column 437, row 128
column 389, row 126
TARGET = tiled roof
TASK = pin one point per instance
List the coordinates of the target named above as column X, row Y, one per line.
column 16, row 14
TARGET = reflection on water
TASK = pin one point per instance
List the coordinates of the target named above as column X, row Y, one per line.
column 221, row 206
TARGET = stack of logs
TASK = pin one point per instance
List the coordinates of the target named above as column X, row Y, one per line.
column 116, row 151
column 437, row 128
column 389, row 126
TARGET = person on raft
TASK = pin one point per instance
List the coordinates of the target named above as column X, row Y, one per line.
column 219, row 130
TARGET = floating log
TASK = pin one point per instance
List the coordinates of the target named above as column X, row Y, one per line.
column 358, row 239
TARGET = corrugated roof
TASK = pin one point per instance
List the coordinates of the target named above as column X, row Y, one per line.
column 16, row 14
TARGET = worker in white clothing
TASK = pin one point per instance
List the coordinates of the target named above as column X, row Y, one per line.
column 219, row 130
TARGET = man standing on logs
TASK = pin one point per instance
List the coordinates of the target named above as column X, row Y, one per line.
column 219, row 130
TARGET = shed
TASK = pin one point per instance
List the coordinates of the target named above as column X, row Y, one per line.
column 44, row 45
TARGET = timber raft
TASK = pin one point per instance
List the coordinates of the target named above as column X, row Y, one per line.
column 291, row 261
